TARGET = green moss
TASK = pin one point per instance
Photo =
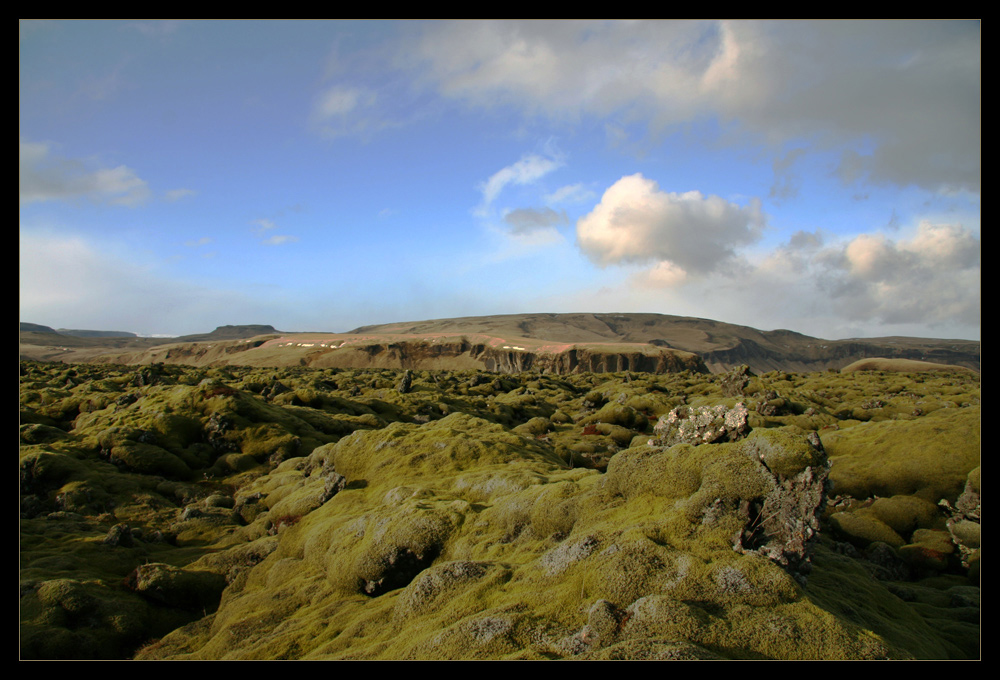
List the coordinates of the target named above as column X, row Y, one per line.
column 462, row 532
column 149, row 459
column 784, row 453
column 906, row 513
column 863, row 527
column 880, row 459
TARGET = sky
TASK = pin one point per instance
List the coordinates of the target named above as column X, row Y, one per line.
column 175, row 176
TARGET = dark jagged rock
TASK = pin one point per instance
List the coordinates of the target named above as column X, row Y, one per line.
column 335, row 483
column 734, row 383
column 174, row 587
column 770, row 404
column 396, row 569
column 119, row 535
column 405, row 382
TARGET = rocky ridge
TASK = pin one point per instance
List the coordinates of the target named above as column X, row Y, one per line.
column 553, row 343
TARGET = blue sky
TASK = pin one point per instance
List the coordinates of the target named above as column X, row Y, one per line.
column 821, row 177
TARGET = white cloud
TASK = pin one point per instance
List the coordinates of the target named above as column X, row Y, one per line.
column 338, row 101
column 344, row 110
column 571, row 193
column 509, row 244
column 529, row 169
column 265, row 225
column 925, row 285
column 635, row 222
column 661, row 275
column 44, row 177
column 906, row 92
column 786, row 183
column 934, row 277
column 279, row 239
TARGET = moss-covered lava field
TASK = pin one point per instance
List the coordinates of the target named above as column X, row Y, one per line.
column 171, row 512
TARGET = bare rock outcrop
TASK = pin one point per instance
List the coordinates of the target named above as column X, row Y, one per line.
column 705, row 425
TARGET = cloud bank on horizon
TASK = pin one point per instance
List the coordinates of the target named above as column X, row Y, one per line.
column 823, row 177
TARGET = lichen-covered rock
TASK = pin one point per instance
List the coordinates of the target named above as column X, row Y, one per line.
column 705, row 425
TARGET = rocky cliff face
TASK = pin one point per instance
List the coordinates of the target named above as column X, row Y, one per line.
column 586, row 360
column 424, row 355
column 553, row 343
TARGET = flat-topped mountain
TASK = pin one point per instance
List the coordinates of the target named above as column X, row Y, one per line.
column 231, row 333
column 513, row 343
column 720, row 345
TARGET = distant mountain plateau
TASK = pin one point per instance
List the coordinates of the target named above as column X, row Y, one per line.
column 543, row 343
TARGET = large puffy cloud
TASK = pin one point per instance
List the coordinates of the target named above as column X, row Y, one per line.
column 932, row 278
column 44, row 177
column 635, row 222
column 926, row 283
column 900, row 99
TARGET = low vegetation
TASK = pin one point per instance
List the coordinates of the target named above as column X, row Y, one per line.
column 260, row 513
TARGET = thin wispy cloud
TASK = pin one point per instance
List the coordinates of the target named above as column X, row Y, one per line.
column 280, row 239
column 530, row 168
column 263, row 226
column 571, row 193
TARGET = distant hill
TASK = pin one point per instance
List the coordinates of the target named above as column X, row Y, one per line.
column 721, row 345
column 230, row 333
column 25, row 327
column 513, row 343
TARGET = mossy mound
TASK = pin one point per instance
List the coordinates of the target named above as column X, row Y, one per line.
column 929, row 457
column 251, row 513
column 898, row 366
column 416, row 562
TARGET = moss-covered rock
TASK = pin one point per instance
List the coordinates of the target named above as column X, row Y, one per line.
column 336, row 517
column 929, row 457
